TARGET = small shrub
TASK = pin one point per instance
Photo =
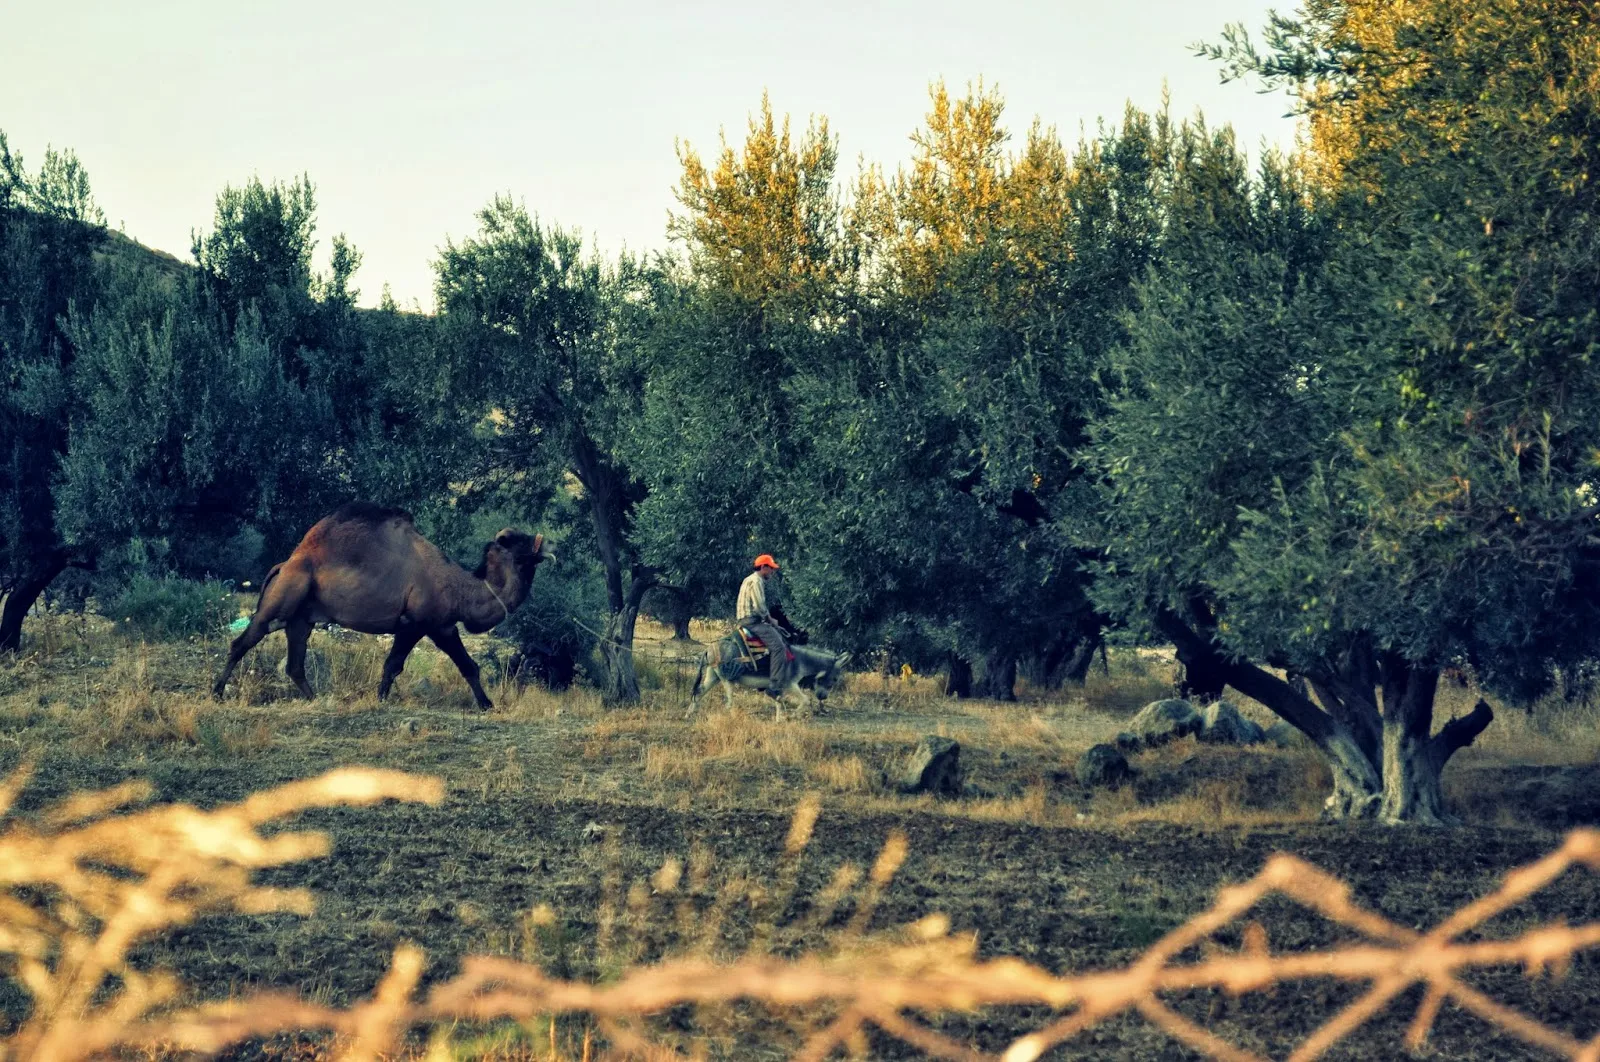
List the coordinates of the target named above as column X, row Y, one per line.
column 167, row 608
column 553, row 644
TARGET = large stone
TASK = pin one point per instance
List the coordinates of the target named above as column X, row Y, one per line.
column 1286, row 737
column 1129, row 743
column 934, row 766
column 1221, row 724
column 1103, row 765
column 1162, row 721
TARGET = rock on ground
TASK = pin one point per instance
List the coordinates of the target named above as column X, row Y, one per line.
column 1221, row 724
column 933, row 767
column 1162, row 721
column 1285, row 736
column 1103, row 765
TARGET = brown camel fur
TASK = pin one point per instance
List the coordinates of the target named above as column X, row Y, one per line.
column 365, row 567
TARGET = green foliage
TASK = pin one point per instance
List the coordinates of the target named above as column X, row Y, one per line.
column 540, row 341
column 1224, row 399
column 49, row 231
column 258, row 253
column 556, row 626
column 888, row 389
column 984, row 406
column 182, row 425
column 169, row 608
column 1418, row 391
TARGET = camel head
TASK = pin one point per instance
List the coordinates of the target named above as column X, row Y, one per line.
column 517, row 554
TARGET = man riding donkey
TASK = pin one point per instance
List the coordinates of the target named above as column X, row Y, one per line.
column 762, row 624
column 763, row 634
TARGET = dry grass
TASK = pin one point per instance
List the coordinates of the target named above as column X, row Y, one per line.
column 844, row 774
column 1550, row 733
column 83, row 685
column 805, row 989
column 93, row 700
column 86, row 880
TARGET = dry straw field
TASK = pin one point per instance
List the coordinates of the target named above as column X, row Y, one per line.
column 269, row 877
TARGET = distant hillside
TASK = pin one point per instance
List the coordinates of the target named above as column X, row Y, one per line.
column 129, row 252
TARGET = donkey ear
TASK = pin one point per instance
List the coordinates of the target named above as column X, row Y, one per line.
column 538, row 548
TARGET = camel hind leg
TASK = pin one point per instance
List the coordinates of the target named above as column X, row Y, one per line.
column 282, row 596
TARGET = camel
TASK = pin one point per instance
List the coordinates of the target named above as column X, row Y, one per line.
column 365, row 567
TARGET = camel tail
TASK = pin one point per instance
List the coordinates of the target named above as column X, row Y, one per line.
column 273, row 574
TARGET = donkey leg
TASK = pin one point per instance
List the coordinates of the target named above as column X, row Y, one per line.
column 699, row 685
column 294, row 665
column 405, row 640
column 695, row 693
column 449, row 640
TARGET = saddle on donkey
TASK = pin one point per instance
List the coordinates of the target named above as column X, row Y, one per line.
column 753, row 646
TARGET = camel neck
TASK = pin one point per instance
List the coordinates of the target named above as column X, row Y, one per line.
column 505, row 613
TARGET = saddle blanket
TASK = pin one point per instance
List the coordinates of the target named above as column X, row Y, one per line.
column 754, row 645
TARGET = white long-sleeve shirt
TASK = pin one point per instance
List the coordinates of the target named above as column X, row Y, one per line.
column 753, row 598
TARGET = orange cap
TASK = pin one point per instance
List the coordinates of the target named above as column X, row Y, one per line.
column 766, row 561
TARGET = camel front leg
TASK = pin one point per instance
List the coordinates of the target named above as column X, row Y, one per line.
column 449, row 640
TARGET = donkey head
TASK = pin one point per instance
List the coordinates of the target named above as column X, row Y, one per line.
column 830, row 677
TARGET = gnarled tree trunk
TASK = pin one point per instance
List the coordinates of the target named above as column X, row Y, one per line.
column 610, row 499
column 1076, row 668
column 1374, row 725
column 621, row 681
column 25, row 593
column 1413, row 757
column 999, row 679
column 958, row 679
column 671, row 605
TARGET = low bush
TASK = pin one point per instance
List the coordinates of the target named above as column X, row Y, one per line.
column 166, row 608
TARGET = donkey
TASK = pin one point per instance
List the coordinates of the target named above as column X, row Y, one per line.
column 726, row 661
column 365, row 567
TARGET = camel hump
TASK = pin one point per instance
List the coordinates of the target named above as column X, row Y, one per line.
column 365, row 512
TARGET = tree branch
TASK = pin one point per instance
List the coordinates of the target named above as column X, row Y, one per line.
column 643, row 580
column 1460, row 732
column 1330, row 735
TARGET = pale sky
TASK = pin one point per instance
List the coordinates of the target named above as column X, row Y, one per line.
column 410, row 116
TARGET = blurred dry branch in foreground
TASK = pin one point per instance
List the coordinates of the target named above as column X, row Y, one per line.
column 175, row 863
column 85, row 881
